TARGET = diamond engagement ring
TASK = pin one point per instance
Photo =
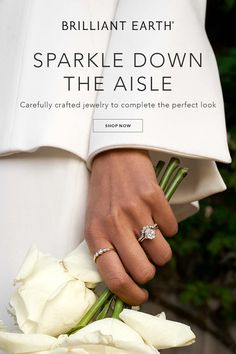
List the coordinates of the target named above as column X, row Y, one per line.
column 148, row 233
column 101, row 251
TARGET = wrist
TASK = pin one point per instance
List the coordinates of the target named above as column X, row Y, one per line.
column 120, row 153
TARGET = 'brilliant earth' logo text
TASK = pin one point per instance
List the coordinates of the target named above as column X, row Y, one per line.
column 122, row 25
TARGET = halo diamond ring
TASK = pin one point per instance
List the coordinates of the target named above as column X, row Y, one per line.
column 148, row 233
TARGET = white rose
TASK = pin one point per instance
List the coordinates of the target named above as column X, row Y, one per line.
column 105, row 336
column 80, row 264
column 17, row 343
column 109, row 336
column 157, row 330
column 52, row 298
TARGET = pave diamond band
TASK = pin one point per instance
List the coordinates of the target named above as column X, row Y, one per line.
column 148, row 233
column 101, row 251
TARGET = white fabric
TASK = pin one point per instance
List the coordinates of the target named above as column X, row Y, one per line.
column 43, row 203
column 203, row 178
column 198, row 135
column 43, row 199
column 185, row 131
column 29, row 27
column 43, row 194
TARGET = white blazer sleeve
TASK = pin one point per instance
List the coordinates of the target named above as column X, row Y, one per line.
column 34, row 26
column 197, row 135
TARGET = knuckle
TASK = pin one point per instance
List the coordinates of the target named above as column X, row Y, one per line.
column 172, row 228
column 109, row 220
column 159, row 191
column 92, row 226
column 92, row 230
column 150, row 194
column 139, row 301
column 115, row 284
column 146, row 275
column 165, row 257
column 131, row 205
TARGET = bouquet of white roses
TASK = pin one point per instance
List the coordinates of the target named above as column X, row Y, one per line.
column 58, row 310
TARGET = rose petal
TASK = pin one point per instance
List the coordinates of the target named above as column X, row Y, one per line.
column 80, row 264
column 64, row 310
column 161, row 315
column 110, row 333
column 27, row 304
column 44, row 281
column 101, row 337
column 17, row 343
column 158, row 331
column 30, row 261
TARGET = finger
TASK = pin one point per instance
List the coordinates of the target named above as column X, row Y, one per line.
column 163, row 214
column 114, row 275
column 118, row 281
column 133, row 257
column 158, row 249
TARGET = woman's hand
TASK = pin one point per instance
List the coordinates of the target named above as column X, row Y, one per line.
column 123, row 197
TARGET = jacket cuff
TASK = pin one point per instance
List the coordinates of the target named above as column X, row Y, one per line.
column 203, row 179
